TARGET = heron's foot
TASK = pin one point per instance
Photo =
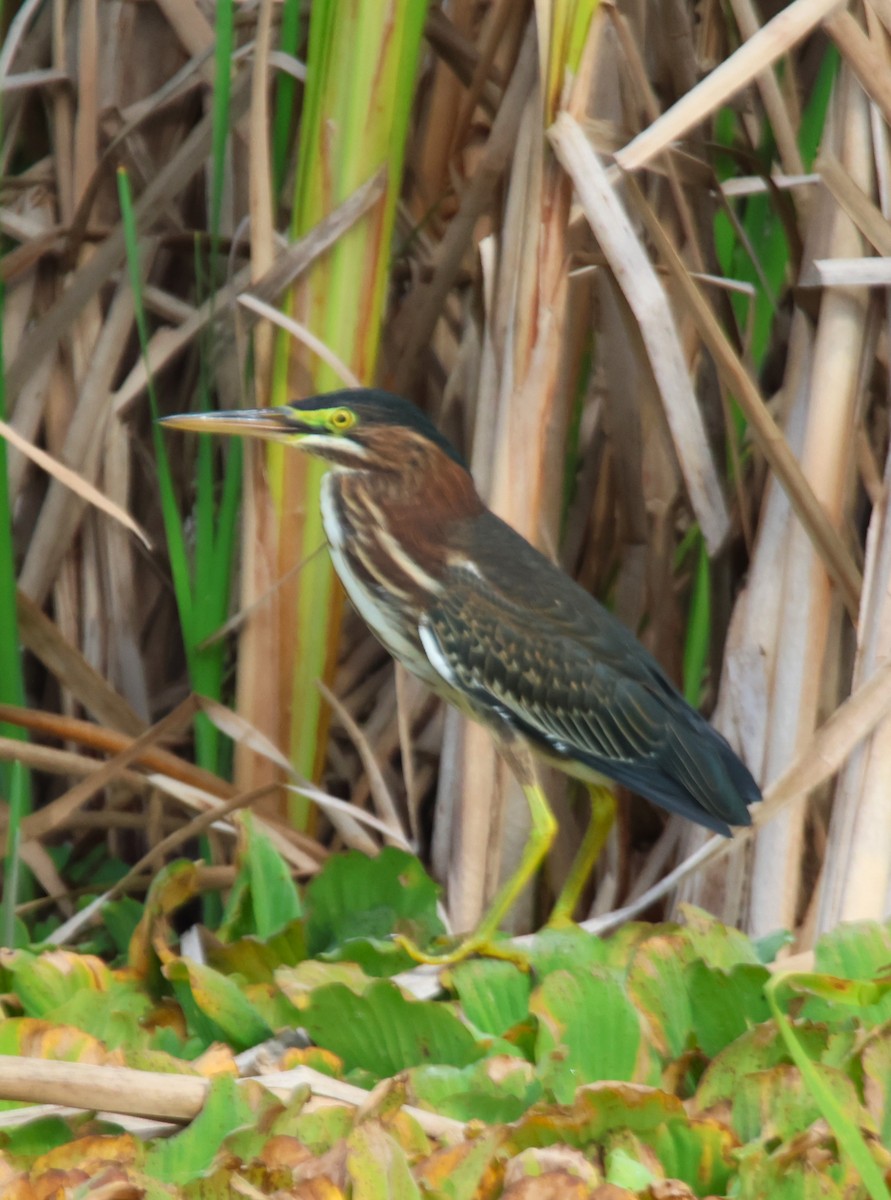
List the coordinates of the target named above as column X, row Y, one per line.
column 484, row 940
column 475, row 945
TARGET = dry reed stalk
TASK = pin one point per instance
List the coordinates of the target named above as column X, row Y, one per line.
column 856, row 882
column 774, row 102
column 177, row 1098
column 523, row 424
column 474, row 790
column 771, row 642
column 258, row 567
column 649, row 304
column 803, row 631
column 744, row 712
column 756, row 55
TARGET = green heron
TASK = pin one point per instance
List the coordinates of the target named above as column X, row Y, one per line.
column 494, row 627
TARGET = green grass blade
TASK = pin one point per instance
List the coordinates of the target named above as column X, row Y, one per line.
column 285, row 95
column 813, row 118
column 202, row 594
column 699, row 626
column 179, row 564
column 203, row 512
column 227, row 526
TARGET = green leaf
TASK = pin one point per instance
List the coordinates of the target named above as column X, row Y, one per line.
column 250, row 1141
column 494, row 995
column 286, row 88
column 382, row 1032
column 120, row 918
column 269, row 900
column 356, row 107
column 377, row 1166
column 843, row 1125
column 626, row 1171
column 858, row 950
column 257, row 960
column 854, row 950
column 380, row 957
column 216, row 1004
column 718, row 944
column 32, row 1038
column 458, row 1172
column 172, row 525
column 656, row 985
column 187, row 1155
column 222, row 87
column 115, row 1017
column 813, row 116
column 272, row 1006
column 322, row 1130
column 495, row 1090
column 356, row 897
column 876, row 1062
column 867, row 996
column 588, row 1030
column 777, row 1103
column 761, row 1049
column 298, row 982
column 36, row 1137
column 697, row 640
column 175, row 884
column 769, row 946
column 558, row 949
column 725, row 1003
column 43, row 983
column 807, row 1172
column 15, row 779
column 620, row 947
column 696, row 1150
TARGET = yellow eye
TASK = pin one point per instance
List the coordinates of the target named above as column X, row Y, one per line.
column 342, row 419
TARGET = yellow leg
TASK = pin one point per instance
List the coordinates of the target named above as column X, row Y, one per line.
column 544, row 826
column 603, row 814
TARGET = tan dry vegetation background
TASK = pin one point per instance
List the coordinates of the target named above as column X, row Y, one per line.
column 554, row 284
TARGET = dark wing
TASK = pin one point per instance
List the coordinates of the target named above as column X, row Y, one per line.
column 560, row 669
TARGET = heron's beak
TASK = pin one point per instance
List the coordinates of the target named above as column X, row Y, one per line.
column 269, row 424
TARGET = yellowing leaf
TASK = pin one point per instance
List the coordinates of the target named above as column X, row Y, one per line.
column 216, row 1060
column 171, row 888
column 221, row 1009
column 572, row 1049
column 377, row 1166
column 656, row 985
column 88, row 1153
column 42, row 1039
column 468, row 1169
column 44, row 982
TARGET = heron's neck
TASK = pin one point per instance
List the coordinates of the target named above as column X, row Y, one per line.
column 419, row 509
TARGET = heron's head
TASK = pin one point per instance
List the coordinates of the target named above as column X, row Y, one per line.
column 359, row 429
